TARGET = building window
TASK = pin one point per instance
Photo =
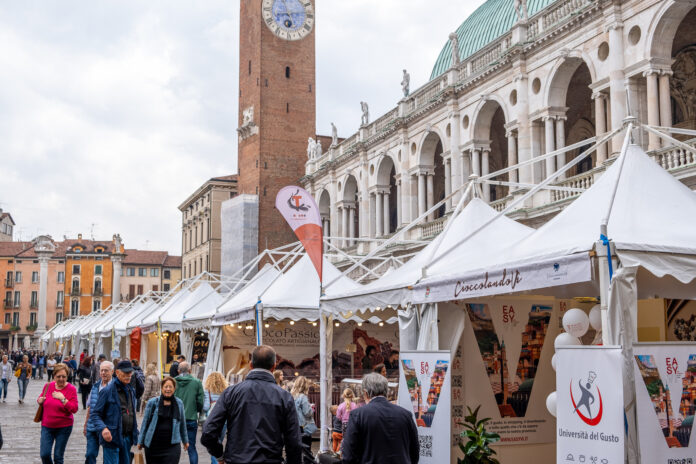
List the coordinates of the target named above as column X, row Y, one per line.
column 34, row 299
column 206, row 263
column 96, row 305
column 155, row 288
column 9, row 278
column 8, row 318
column 154, row 272
column 130, row 272
column 76, row 269
column 98, row 269
column 140, row 289
column 74, row 307
column 16, row 299
column 131, row 292
column 8, row 299
column 75, row 286
column 165, row 287
column 97, row 286
column 61, row 277
column 15, row 319
column 32, row 318
column 35, row 277
column 142, row 272
column 18, row 276
column 287, row 72
column 59, row 317
column 59, row 299
column 167, row 274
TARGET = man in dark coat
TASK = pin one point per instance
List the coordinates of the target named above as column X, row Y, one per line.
column 380, row 432
column 261, row 418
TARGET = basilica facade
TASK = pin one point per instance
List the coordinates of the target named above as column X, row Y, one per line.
column 517, row 80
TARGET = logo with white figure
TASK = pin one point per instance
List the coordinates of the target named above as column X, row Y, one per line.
column 589, row 407
column 295, row 202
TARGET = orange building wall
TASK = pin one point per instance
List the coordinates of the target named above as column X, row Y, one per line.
column 87, row 265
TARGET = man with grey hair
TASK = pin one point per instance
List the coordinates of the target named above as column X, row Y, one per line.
column 190, row 391
column 91, row 431
column 380, row 432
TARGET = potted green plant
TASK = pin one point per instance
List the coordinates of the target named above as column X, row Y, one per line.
column 14, row 328
column 32, row 327
column 477, row 448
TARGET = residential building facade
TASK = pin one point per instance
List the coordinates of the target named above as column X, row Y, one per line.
column 145, row 270
column 6, row 226
column 88, row 276
column 201, row 230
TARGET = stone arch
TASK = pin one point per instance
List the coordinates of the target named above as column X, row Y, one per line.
column 582, row 129
column 430, row 160
column 489, row 136
column 386, row 178
column 428, row 146
column 562, row 74
column 664, row 27
column 351, row 205
column 324, row 202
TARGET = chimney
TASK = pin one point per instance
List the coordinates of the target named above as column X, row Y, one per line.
column 79, row 236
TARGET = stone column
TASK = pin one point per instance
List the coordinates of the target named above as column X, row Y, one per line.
column 617, row 82
column 421, row 194
column 344, row 226
column 448, row 182
column 386, row 212
column 665, row 102
column 485, row 169
column 430, row 196
column 535, row 128
column 456, row 179
column 351, row 225
column 379, row 214
column 651, row 78
column 524, row 130
column 600, row 125
column 398, row 202
column 116, row 259
column 560, row 143
column 512, row 157
column 476, row 162
column 550, row 144
column 44, row 249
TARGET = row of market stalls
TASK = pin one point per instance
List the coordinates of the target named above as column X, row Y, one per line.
column 488, row 290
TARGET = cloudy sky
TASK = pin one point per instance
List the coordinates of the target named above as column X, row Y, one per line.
column 113, row 112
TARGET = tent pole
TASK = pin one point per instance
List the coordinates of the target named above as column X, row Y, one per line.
column 325, row 375
column 159, row 349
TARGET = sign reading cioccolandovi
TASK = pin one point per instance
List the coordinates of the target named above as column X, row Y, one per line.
column 424, row 389
column 589, row 411
column 665, row 380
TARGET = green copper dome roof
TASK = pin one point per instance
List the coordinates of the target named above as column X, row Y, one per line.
column 491, row 20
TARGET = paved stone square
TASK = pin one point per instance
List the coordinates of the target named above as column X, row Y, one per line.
column 21, row 435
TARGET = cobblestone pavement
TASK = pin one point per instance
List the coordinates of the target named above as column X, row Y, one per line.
column 21, row 435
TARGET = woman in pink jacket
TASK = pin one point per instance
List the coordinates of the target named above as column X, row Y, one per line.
column 59, row 400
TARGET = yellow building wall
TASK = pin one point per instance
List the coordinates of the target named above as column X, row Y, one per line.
column 87, row 266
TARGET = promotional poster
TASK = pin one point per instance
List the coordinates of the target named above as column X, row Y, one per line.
column 665, row 379
column 424, row 389
column 589, row 406
column 503, row 363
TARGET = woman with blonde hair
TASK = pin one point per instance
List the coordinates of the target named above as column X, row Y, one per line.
column 152, row 384
column 344, row 409
column 305, row 413
column 213, row 387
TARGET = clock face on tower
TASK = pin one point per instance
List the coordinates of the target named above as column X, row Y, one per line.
column 288, row 19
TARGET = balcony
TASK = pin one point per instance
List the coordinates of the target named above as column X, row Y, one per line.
column 75, row 291
column 98, row 291
column 34, row 305
column 9, row 283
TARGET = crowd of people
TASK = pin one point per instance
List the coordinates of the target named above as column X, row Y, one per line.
column 257, row 420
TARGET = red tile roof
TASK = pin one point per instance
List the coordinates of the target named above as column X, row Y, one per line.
column 145, row 257
column 172, row 261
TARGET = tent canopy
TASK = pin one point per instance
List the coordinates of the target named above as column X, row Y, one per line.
column 202, row 297
column 149, row 322
column 392, row 289
column 651, row 223
column 247, row 297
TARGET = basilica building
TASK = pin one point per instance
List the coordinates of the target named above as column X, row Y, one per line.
column 517, row 80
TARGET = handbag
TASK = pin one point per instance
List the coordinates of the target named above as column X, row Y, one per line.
column 139, row 457
column 18, row 372
column 39, row 412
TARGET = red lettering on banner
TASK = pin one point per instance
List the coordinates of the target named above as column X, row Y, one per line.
column 672, row 366
column 508, row 313
column 424, row 368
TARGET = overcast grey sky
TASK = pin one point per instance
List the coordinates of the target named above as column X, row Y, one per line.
column 113, row 112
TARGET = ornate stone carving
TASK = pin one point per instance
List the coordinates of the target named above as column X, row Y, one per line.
column 44, row 244
column 310, row 149
column 334, row 135
column 454, row 44
column 406, row 83
column 521, row 10
column 118, row 243
column 365, row 118
column 317, row 149
column 248, row 127
column 683, row 82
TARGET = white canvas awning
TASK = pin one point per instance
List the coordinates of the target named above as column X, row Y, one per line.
column 393, row 288
column 202, row 298
column 246, row 298
column 651, row 222
column 149, row 322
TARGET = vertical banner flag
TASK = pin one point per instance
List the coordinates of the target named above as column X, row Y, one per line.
column 424, row 389
column 589, row 408
column 665, row 376
column 300, row 210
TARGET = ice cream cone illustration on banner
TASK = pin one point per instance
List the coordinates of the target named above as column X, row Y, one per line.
column 300, row 211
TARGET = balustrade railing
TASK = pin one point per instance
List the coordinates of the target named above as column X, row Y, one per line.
column 432, row 228
column 674, row 157
column 580, row 181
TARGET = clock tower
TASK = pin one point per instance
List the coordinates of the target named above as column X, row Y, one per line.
column 277, row 105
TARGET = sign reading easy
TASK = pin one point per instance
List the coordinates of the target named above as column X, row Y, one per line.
column 424, row 389
column 590, row 416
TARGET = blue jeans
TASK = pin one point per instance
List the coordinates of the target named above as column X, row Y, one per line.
column 192, row 430
column 92, row 448
column 4, row 386
column 22, row 385
column 119, row 455
column 48, row 437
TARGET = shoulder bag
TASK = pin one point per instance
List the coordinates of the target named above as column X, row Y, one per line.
column 39, row 412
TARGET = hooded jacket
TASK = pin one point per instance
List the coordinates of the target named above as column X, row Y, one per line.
column 190, row 391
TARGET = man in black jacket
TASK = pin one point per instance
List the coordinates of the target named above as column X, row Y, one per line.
column 380, row 432
column 261, row 418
